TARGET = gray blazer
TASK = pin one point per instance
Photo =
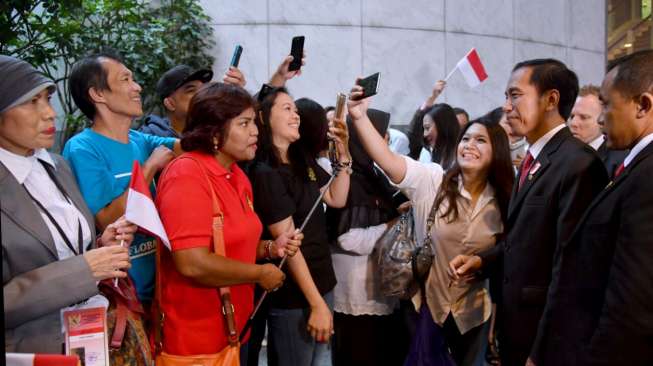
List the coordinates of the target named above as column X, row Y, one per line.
column 36, row 283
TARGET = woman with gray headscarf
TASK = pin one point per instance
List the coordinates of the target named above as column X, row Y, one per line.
column 48, row 233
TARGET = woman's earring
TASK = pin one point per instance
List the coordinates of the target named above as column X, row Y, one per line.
column 215, row 145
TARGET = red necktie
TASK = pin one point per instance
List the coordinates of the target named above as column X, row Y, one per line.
column 525, row 167
column 620, row 169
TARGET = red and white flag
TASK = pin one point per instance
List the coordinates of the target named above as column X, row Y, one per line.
column 472, row 69
column 31, row 359
column 140, row 206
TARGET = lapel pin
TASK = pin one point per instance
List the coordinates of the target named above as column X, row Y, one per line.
column 533, row 170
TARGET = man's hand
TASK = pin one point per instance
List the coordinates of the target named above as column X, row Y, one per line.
column 159, row 158
column 464, row 267
column 234, row 76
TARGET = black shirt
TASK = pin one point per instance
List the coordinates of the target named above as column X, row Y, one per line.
column 278, row 194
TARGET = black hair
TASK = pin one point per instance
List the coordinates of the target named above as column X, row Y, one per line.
column 551, row 74
column 500, row 172
column 494, row 116
column 448, row 129
column 267, row 153
column 329, row 108
column 634, row 74
column 89, row 73
column 458, row 111
column 313, row 127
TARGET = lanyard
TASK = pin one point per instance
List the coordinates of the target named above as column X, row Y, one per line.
column 65, row 238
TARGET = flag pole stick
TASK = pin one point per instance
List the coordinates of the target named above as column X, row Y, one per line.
column 115, row 280
column 451, row 73
column 249, row 322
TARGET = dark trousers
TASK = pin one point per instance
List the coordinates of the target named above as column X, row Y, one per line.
column 369, row 340
column 469, row 348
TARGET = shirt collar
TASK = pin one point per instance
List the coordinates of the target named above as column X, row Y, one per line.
column 216, row 169
column 597, row 142
column 21, row 166
column 637, row 149
column 486, row 195
column 537, row 147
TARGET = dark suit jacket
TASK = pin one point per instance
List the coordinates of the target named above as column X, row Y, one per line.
column 36, row 283
column 541, row 215
column 611, row 158
column 599, row 308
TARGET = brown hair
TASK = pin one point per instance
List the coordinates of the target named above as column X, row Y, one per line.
column 589, row 89
column 210, row 110
column 500, row 173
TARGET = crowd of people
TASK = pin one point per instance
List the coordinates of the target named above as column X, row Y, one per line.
column 538, row 214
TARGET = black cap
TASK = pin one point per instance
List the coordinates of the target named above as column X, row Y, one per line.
column 179, row 75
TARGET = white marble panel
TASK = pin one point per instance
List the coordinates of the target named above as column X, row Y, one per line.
column 324, row 12
column 333, row 59
column 254, row 59
column 497, row 57
column 525, row 50
column 588, row 25
column 236, row 12
column 589, row 66
column 414, row 14
column 542, row 21
column 488, row 17
column 410, row 62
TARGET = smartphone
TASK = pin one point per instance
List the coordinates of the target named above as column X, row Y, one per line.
column 297, row 52
column 235, row 59
column 370, row 86
column 339, row 114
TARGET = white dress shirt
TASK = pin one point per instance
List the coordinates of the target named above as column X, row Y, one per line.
column 637, row 149
column 537, row 147
column 28, row 171
column 597, row 142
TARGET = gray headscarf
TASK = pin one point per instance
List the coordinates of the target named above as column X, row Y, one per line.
column 19, row 82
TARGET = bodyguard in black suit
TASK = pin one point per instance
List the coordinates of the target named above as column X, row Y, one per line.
column 599, row 308
column 549, row 197
column 611, row 158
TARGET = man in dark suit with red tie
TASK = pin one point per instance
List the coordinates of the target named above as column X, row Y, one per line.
column 599, row 308
column 559, row 177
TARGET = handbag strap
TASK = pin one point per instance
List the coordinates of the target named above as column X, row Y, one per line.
column 217, row 227
column 430, row 221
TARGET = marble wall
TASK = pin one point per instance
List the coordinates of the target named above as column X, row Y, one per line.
column 412, row 43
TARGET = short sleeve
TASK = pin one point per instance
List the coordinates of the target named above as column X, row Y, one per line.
column 153, row 141
column 98, row 186
column 272, row 200
column 322, row 175
column 421, row 180
column 184, row 204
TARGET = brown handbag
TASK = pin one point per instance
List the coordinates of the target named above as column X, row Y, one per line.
column 230, row 355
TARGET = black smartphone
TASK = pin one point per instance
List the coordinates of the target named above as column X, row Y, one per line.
column 235, row 59
column 370, row 86
column 297, row 52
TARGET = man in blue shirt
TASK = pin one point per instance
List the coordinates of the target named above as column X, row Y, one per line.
column 102, row 156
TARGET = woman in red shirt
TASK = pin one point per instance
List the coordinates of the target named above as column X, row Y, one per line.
column 220, row 132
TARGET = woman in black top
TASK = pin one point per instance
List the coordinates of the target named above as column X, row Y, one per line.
column 286, row 182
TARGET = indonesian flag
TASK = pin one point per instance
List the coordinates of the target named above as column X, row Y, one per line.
column 31, row 359
column 472, row 68
column 140, row 206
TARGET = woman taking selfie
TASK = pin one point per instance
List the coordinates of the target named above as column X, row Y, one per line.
column 471, row 202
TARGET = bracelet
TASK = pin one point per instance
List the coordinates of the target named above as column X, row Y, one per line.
column 344, row 165
column 266, row 249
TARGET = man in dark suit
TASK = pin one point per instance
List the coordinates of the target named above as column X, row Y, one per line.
column 599, row 307
column 558, row 179
column 584, row 125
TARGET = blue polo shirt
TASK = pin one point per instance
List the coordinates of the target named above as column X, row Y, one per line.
column 102, row 167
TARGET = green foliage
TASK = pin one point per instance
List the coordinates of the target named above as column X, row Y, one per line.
column 151, row 36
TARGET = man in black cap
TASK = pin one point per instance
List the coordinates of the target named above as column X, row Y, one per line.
column 175, row 88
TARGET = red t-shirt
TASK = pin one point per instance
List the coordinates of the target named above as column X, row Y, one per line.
column 194, row 323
